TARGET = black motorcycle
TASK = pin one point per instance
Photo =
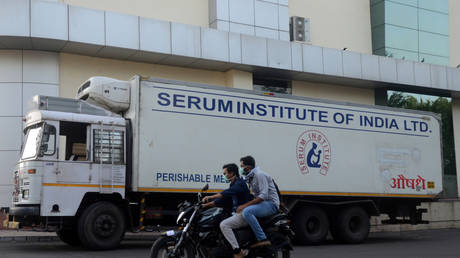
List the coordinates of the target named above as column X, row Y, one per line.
column 201, row 236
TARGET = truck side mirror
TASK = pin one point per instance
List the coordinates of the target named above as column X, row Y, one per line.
column 43, row 148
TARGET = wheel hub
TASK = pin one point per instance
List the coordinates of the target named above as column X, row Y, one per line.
column 313, row 225
column 105, row 225
column 355, row 224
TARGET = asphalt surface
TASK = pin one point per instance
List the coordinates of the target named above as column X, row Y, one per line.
column 430, row 243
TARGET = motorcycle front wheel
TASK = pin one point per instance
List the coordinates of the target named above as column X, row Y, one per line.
column 163, row 247
column 283, row 254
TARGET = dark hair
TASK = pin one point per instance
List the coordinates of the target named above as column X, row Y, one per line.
column 248, row 161
column 232, row 168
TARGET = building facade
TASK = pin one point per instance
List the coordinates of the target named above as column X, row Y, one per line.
column 51, row 47
column 416, row 30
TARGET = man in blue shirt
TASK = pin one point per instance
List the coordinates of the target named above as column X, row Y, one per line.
column 238, row 194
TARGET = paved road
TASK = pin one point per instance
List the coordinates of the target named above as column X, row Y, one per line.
column 433, row 243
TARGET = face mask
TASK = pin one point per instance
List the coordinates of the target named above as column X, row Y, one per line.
column 242, row 171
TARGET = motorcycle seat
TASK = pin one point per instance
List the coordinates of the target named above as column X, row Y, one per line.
column 270, row 220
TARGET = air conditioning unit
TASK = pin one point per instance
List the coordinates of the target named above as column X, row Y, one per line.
column 299, row 28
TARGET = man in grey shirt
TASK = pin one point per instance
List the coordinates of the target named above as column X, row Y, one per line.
column 266, row 201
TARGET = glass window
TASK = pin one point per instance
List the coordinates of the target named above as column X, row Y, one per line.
column 48, row 145
column 401, row 54
column 108, row 146
column 433, row 22
column 31, row 141
column 380, row 52
column 275, row 86
column 378, row 37
column 435, row 5
column 439, row 60
column 401, row 15
column 373, row 2
column 401, row 38
column 73, row 141
column 378, row 14
column 407, row 2
column 434, row 44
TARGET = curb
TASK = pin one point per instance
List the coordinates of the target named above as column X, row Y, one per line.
column 29, row 239
column 54, row 238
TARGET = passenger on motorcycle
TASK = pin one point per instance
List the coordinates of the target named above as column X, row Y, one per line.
column 266, row 200
column 238, row 194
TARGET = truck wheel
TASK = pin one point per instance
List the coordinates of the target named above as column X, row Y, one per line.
column 101, row 226
column 69, row 236
column 310, row 225
column 352, row 225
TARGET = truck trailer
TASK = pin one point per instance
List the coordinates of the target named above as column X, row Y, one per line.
column 123, row 154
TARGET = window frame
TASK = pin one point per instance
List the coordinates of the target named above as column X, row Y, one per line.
column 94, row 145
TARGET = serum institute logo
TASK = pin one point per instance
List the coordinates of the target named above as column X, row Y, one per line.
column 313, row 152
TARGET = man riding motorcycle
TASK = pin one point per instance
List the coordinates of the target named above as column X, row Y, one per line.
column 238, row 194
column 201, row 233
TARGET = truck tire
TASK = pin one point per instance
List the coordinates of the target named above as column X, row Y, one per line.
column 351, row 225
column 310, row 225
column 101, row 226
column 69, row 236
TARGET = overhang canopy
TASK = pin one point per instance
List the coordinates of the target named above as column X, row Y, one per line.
column 53, row 26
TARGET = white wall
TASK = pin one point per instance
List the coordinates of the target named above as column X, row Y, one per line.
column 23, row 74
column 337, row 23
column 333, row 92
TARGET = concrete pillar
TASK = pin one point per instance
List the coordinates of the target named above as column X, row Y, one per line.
column 456, row 129
column 239, row 79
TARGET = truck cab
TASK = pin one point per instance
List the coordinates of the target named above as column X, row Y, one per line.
column 71, row 148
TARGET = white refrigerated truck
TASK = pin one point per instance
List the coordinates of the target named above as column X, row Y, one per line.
column 124, row 153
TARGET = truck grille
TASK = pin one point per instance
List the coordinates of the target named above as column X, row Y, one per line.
column 16, row 187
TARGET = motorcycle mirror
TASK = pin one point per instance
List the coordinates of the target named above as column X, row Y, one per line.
column 205, row 188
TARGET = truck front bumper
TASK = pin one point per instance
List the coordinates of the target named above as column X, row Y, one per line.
column 25, row 210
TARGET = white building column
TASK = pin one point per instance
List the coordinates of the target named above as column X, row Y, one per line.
column 23, row 74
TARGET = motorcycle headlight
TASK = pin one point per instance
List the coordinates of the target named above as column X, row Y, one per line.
column 180, row 217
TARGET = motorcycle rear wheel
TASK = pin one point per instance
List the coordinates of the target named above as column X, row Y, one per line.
column 164, row 245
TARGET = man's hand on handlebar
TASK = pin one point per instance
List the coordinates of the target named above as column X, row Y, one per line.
column 207, row 205
column 211, row 197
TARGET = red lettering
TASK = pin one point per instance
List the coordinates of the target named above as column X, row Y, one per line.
column 303, row 142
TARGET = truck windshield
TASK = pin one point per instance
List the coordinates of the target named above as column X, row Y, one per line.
column 32, row 141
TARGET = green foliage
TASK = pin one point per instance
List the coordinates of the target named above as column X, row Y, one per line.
column 442, row 106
